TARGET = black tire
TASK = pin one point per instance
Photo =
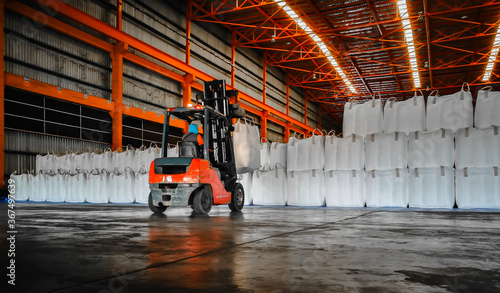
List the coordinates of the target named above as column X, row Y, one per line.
column 202, row 201
column 237, row 198
column 153, row 208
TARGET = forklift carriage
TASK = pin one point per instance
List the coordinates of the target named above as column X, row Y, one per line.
column 201, row 176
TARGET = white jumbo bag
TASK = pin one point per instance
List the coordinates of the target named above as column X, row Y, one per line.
column 316, row 188
column 40, row 163
column 125, row 158
column 431, row 187
column 40, row 187
column 386, row 151
column 246, row 140
column 452, row 112
column 405, row 116
column 278, row 153
column 23, row 185
column 431, row 149
column 59, row 186
column 278, row 188
column 146, row 156
column 98, row 186
column 478, row 188
column 265, row 152
column 477, row 148
column 487, row 108
column 368, row 117
column 262, row 182
column 303, row 154
column 387, row 188
column 246, row 181
column 317, row 151
column 292, row 153
column 122, row 187
column 173, row 151
column 78, row 186
column 347, row 153
column 141, row 186
column 345, row 188
column 297, row 186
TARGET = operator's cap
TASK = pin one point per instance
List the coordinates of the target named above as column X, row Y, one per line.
column 193, row 128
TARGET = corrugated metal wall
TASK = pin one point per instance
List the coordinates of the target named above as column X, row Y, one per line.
column 39, row 53
column 21, row 148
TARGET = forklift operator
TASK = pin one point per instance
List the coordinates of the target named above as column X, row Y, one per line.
column 195, row 138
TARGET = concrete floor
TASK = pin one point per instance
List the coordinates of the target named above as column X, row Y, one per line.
column 125, row 248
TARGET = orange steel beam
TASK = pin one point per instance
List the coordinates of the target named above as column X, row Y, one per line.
column 288, row 94
column 264, row 78
column 89, row 21
column 2, row 97
column 233, row 57
column 38, row 87
column 186, row 86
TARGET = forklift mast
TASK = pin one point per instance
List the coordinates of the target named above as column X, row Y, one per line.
column 219, row 140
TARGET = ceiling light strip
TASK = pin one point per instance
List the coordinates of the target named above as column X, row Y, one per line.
column 322, row 46
column 493, row 56
column 404, row 15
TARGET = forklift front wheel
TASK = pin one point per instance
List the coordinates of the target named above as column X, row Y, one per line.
column 154, row 208
column 202, row 201
column 237, row 198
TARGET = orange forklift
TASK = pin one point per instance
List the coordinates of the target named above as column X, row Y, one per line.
column 201, row 176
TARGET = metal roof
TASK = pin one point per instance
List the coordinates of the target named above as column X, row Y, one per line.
column 453, row 40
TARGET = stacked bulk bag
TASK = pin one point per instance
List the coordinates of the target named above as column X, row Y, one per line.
column 345, row 188
column 478, row 188
column 172, row 151
column 246, row 140
column 98, row 186
column 23, row 185
column 269, row 187
column 477, row 159
column 432, row 187
column 144, row 156
column 58, row 185
column 316, row 160
column 452, row 112
column 385, row 151
column 305, row 188
column 278, row 154
column 431, row 160
column 265, row 152
column 405, row 116
column 365, row 118
column 121, row 186
column 297, row 153
column 477, row 148
column 246, row 181
column 487, row 108
column 141, row 186
column 40, row 187
column 387, row 188
column 431, row 149
column 78, row 186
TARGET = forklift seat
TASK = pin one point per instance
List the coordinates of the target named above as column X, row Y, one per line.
column 189, row 149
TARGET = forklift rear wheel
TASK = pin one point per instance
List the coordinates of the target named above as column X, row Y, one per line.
column 153, row 208
column 202, row 201
column 237, row 198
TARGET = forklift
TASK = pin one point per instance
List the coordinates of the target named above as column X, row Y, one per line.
column 201, row 176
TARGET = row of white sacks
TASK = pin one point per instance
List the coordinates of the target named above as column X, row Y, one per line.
column 451, row 112
column 467, row 148
column 98, row 186
column 134, row 159
column 440, row 187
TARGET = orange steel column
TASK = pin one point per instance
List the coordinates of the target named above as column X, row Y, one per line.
column 189, row 12
column 119, row 7
column 264, row 78
column 117, row 94
column 263, row 124
column 2, row 99
column 189, row 79
column 287, row 131
column 233, row 57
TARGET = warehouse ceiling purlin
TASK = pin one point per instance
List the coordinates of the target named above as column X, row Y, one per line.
column 452, row 40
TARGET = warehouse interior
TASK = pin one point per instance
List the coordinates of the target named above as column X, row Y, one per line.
column 366, row 159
